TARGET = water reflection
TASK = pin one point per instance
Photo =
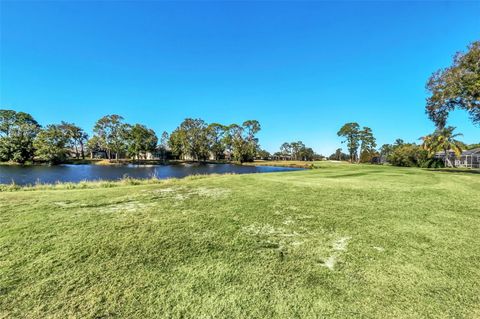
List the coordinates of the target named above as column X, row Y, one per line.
column 76, row 173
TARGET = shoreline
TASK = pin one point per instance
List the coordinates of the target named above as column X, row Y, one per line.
column 102, row 183
column 126, row 180
column 104, row 162
column 120, row 162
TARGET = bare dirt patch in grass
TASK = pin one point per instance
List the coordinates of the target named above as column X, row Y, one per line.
column 339, row 246
column 130, row 207
column 183, row 193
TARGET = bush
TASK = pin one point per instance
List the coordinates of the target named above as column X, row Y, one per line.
column 368, row 156
column 412, row 155
column 432, row 163
column 404, row 155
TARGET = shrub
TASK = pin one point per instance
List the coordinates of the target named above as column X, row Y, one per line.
column 407, row 155
column 432, row 163
column 412, row 155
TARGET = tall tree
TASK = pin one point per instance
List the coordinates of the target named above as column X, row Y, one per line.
column 351, row 133
column 443, row 139
column 177, row 143
column 263, row 154
column 163, row 147
column 111, row 133
column 237, row 141
column 215, row 136
column 242, row 140
column 308, row 154
column 297, row 151
column 386, row 150
column 51, row 144
column 251, row 128
column 286, row 149
column 338, row 154
column 77, row 138
column 227, row 141
column 398, row 142
column 94, row 144
column 367, row 144
column 17, row 132
column 456, row 87
column 141, row 140
column 189, row 140
column 297, row 148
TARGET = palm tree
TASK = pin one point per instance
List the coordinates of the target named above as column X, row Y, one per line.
column 443, row 139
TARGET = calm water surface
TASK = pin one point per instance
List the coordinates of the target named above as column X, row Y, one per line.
column 76, row 173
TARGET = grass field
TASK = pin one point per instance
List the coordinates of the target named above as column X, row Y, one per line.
column 340, row 241
column 298, row 164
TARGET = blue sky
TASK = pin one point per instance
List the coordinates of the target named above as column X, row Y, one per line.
column 301, row 68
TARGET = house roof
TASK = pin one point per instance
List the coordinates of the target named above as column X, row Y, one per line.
column 472, row 151
column 442, row 153
column 465, row 152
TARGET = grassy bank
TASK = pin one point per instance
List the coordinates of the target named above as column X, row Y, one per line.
column 126, row 181
column 341, row 241
column 297, row 164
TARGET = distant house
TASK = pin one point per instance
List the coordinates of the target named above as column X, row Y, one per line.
column 98, row 154
column 468, row 158
column 282, row 157
column 378, row 159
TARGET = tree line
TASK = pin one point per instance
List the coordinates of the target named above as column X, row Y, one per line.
column 360, row 142
column 442, row 140
column 296, row 151
column 195, row 139
column 450, row 88
column 362, row 148
column 23, row 139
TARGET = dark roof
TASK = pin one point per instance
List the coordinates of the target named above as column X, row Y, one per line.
column 472, row 151
column 465, row 152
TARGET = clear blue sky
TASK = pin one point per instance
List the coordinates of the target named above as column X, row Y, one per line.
column 301, row 68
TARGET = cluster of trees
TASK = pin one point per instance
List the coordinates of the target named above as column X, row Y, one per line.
column 296, row 151
column 194, row 139
column 406, row 154
column 454, row 87
column 17, row 133
column 22, row 139
column 118, row 139
column 442, row 140
column 339, row 156
column 360, row 141
column 55, row 142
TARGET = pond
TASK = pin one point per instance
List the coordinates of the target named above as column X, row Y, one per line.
column 24, row 175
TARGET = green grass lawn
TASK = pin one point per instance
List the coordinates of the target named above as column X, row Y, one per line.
column 340, row 241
